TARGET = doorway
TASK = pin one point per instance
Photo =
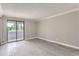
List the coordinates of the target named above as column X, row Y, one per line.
column 15, row 30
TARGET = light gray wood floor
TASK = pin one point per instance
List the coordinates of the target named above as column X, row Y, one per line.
column 36, row 47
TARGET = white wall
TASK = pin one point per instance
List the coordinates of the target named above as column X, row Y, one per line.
column 3, row 38
column 0, row 31
column 30, row 29
column 64, row 29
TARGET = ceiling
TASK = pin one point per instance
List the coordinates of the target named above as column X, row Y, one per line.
column 35, row 11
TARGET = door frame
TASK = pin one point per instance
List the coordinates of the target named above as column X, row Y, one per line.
column 16, row 31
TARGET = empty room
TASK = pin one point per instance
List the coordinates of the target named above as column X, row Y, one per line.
column 39, row 29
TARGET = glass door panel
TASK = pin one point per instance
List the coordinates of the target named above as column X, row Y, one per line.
column 20, row 30
column 11, row 25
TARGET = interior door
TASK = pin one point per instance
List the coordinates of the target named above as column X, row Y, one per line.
column 11, row 25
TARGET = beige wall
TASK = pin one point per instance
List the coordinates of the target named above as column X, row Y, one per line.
column 64, row 29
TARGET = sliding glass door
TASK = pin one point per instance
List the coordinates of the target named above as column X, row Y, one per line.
column 15, row 30
column 11, row 31
column 20, row 31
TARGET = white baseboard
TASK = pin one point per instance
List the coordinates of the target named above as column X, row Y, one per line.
column 31, row 38
column 3, row 43
column 60, row 43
